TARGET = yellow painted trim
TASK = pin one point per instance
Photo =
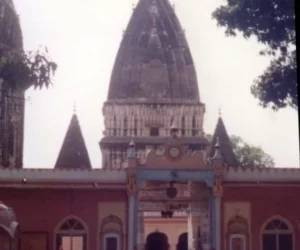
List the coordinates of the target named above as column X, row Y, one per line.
column 101, row 234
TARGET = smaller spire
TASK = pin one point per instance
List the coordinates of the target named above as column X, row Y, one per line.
column 220, row 112
column 225, row 144
column 73, row 152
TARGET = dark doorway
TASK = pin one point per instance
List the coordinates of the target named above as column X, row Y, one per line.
column 157, row 241
column 182, row 242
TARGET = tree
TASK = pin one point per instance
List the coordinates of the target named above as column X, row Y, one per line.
column 21, row 70
column 272, row 22
column 248, row 155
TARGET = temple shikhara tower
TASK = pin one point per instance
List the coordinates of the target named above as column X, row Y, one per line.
column 153, row 84
column 11, row 101
column 163, row 185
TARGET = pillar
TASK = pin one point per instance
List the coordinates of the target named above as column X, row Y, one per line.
column 132, row 221
column 132, row 196
column 217, row 191
column 140, row 230
column 199, row 223
column 216, row 223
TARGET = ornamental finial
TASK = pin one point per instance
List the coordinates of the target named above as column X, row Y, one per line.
column 131, row 151
column 74, row 108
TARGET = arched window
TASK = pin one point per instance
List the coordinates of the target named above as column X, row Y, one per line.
column 238, row 234
column 277, row 234
column 71, row 234
column 111, row 233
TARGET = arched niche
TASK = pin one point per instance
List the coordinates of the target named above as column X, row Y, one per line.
column 157, row 241
column 111, row 233
column 238, row 237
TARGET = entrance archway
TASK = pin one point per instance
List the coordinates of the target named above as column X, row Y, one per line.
column 182, row 242
column 157, row 241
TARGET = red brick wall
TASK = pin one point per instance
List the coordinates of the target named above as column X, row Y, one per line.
column 42, row 210
column 265, row 203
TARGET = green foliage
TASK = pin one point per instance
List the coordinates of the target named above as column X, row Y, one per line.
column 272, row 22
column 248, row 155
column 21, row 70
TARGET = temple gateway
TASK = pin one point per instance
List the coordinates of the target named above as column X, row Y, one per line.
column 163, row 185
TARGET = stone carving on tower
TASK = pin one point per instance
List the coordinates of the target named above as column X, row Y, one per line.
column 11, row 101
column 153, row 83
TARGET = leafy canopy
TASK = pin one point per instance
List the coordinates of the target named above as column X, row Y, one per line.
column 272, row 22
column 21, row 70
column 248, row 155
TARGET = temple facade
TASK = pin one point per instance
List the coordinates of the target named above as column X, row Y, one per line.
column 231, row 209
column 163, row 185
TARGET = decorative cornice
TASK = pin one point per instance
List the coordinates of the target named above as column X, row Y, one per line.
column 262, row 174
column 99, row 178
column 65, row 176
column 194, row 161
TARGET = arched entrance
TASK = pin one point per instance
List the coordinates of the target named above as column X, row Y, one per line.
column 157, row 241
column 182, row 242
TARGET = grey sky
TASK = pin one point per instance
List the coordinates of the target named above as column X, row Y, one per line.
column 83, row 38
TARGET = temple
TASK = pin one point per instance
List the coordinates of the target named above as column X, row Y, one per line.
column 163, row 185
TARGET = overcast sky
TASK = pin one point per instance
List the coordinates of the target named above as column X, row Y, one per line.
column 83, row 38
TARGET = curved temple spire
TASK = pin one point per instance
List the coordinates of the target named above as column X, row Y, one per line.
column 154, row 63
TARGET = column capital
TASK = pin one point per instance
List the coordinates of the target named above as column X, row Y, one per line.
column 218, row 185
column 131, row 185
